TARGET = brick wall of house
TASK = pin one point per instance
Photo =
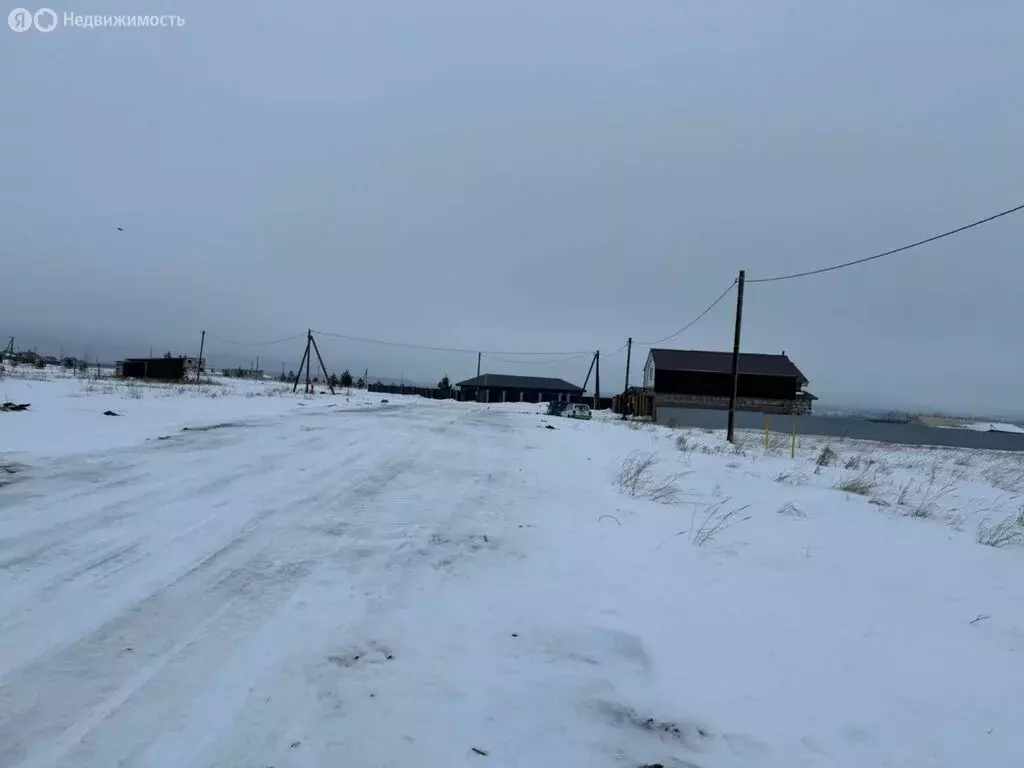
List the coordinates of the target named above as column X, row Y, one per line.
column 798, row 407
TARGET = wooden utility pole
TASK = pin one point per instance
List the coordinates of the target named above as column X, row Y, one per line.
column 629, row 356
column 597, row 380
column 322, row 366
column 625, row 389
column 731, row 429
column 298, row 374
column 590, row 370
column 309, row 344
column 478, row 356
column 199, row 362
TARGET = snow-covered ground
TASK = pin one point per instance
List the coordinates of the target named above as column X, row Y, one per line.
column 986, row 426
column 331, row 581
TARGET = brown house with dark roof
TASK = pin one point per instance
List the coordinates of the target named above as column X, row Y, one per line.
column 684, row 378
column 502, row 388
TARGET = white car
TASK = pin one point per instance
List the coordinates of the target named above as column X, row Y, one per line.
column 577, row 411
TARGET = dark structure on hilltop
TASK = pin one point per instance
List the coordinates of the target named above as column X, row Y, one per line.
column 681, row 378
column 159, row 368
column 504, row 388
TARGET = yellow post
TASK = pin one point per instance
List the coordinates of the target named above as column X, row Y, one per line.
column 792, row 450
column 766, row 433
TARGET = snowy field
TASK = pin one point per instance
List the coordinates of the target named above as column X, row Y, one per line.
column 232, row 575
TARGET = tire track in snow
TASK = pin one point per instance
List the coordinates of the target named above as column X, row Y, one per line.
column 45, row 560
column 49, row 542
column 307, row 693
column 232, row 658
column 228, row 592
column 358, row 573
column 70, row 737
column 227, row 533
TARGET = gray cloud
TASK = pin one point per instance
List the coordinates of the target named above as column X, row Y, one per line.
column 529, row 176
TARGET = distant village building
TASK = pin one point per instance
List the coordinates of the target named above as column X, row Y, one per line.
column 678, row 378
column 504, row 388
column 159, row 368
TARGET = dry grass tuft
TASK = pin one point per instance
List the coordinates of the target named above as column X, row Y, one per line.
column 860, row 485
column 636, row 477
column 1007, row 532
column 716, row 519
column 790, row 509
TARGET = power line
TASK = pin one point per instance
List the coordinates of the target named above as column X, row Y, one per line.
column 454, row 350
column 689, row 325
column 890, row 253
column 562, row 359
column 552, row 361
column 619, row 351
column 256, row 343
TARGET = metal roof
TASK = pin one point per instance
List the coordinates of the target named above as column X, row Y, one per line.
column 721, row 362
column 155, row 359
column 529, row 383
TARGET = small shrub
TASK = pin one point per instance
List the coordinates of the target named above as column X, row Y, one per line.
column 921, row 511
column 860, row 485
column 1006, row 476
column 682, row 443
column 1002, row 534
column 826, row 458
column 853, row 462
column 635, row 471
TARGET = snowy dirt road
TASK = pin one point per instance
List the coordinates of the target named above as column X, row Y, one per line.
column 328, row 582
column 190, row 601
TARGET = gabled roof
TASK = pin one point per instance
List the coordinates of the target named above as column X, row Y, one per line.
column 507, row 381
column 154, row 359
column 721, row 362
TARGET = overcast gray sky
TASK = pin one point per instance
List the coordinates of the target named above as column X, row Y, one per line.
column 526, row 176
